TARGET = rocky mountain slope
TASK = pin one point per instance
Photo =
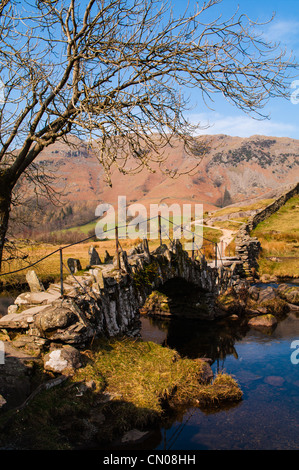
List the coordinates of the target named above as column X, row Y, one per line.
column 231, row 170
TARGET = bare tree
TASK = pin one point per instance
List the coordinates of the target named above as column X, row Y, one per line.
column 112, row 72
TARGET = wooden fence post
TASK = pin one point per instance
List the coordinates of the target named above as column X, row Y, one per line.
column 159, row 227
column 193, row 239
column 61, row 271
column 117, row 248
column 216, row 247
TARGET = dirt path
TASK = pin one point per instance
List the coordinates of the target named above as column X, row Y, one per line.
column 226, row 238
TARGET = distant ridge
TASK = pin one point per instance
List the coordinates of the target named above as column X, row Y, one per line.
column 233, row 169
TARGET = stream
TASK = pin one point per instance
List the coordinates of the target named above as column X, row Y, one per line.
column 267, row 418
column 265, row 366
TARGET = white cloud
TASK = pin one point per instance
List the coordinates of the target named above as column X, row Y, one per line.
column 241, row 126
column 284, row 31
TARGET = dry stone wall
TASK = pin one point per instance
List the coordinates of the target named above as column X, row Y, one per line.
column 247, row 247
column 273, row 207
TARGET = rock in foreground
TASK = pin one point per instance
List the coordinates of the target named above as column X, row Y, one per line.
column 263, row 321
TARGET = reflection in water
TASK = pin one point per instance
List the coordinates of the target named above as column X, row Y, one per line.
column 268, row 415
column 214, row 340
column 194, row 339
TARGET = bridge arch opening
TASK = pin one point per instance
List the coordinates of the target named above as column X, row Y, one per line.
column 178, row 298
column 178, row 287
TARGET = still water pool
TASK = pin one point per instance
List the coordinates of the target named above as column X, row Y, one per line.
column 267, row 418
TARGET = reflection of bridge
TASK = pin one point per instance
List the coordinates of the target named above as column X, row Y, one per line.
column 213, row 340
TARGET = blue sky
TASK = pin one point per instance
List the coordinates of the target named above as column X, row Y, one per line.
column 283, row 114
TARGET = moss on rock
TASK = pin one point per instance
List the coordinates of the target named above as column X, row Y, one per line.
column 277, row 306
column 289, row 293
column 230, row 303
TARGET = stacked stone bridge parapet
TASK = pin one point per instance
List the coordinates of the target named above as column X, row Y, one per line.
column 151, row 270
column 123, row 292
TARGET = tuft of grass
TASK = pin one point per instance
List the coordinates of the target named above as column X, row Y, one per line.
column 147, row 375
column 224, row 388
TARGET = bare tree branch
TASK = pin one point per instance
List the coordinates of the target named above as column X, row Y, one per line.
column 112, row 72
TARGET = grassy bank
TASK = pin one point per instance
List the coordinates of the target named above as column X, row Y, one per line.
column 49, row 269
column 123, row 385
column 236, row 216
column 279, row 237
column 261, row 204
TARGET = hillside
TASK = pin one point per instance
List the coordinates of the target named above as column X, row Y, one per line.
column 279, row 237
column 233, row 170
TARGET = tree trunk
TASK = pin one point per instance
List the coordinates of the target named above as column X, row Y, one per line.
column 5, row 201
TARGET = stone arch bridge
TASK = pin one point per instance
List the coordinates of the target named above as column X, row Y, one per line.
column 107, row 299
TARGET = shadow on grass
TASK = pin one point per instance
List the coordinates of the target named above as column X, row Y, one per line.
column 124, row 385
